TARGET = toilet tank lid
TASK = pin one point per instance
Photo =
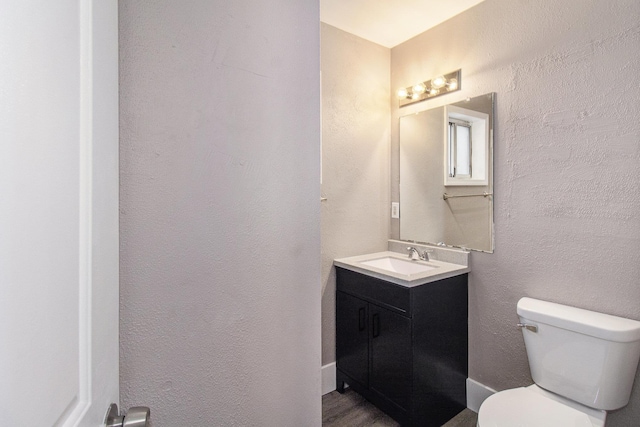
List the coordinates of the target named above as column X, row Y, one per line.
column 599, row 325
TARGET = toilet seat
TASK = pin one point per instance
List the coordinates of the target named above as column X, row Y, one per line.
column 534, row 407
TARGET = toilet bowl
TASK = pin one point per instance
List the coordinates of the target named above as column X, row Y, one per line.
column 583, row 364
column 534, row 407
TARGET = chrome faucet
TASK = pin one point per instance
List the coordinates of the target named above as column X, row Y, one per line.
column 415, row 254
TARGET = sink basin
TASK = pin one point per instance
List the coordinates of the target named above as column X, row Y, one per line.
column 397, row 265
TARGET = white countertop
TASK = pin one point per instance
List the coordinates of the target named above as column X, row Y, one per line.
column 442, row 269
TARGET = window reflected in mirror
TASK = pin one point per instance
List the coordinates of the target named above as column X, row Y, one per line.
column 459, row 142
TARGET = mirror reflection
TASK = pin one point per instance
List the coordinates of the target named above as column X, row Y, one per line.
column 446, row 175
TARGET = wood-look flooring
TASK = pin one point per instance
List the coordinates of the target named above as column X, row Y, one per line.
column 352, row 410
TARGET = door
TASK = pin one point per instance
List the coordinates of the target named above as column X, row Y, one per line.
column 58, row 212
column 352, row 340
column 391, row 355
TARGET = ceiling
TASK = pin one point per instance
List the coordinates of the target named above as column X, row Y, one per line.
column 389, row 22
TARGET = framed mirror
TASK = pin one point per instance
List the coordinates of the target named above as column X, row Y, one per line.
column 446, row 175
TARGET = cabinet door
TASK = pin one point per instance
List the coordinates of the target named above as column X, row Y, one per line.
column 352, row 346
column 391, row 355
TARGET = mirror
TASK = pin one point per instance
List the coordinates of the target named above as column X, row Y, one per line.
column 446, row 175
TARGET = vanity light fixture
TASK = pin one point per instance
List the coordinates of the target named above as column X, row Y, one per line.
column 437, row 86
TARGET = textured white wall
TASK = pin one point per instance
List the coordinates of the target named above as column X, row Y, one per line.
column 567, row 154
column 355, row 158
column 220, row 212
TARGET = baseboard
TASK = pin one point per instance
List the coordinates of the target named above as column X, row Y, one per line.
column 328, row 378
column 476, row 394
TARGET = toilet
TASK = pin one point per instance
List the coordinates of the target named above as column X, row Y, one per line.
column 583, row 364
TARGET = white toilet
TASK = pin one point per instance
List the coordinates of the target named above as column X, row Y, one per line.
column 583, row 364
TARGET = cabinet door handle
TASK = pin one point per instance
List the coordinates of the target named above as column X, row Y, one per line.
column 362, row 320
column 376, row 325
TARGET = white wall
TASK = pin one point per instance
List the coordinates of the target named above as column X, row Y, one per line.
column 567, row 153
column 220, row 211
column 355, row 159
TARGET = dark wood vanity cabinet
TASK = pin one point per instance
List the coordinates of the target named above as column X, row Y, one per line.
column 403, row 348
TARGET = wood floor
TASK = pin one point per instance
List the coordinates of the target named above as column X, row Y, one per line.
column 352, row 410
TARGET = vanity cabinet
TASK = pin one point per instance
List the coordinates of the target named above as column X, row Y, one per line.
column 403, row 348
column 376, row 352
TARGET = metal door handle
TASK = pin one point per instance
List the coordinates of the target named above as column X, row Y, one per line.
column 137, row 416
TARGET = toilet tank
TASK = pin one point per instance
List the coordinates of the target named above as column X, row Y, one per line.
column 583, row 355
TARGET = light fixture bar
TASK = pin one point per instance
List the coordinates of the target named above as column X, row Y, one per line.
column 428, row 89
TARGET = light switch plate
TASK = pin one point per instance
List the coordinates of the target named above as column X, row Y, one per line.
column 395, row 210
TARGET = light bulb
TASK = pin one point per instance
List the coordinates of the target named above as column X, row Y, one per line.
column 438, row 82
column 433, row 92
column 415, row 96
column 453, row 84
column 402, row 93
column 419, row 88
